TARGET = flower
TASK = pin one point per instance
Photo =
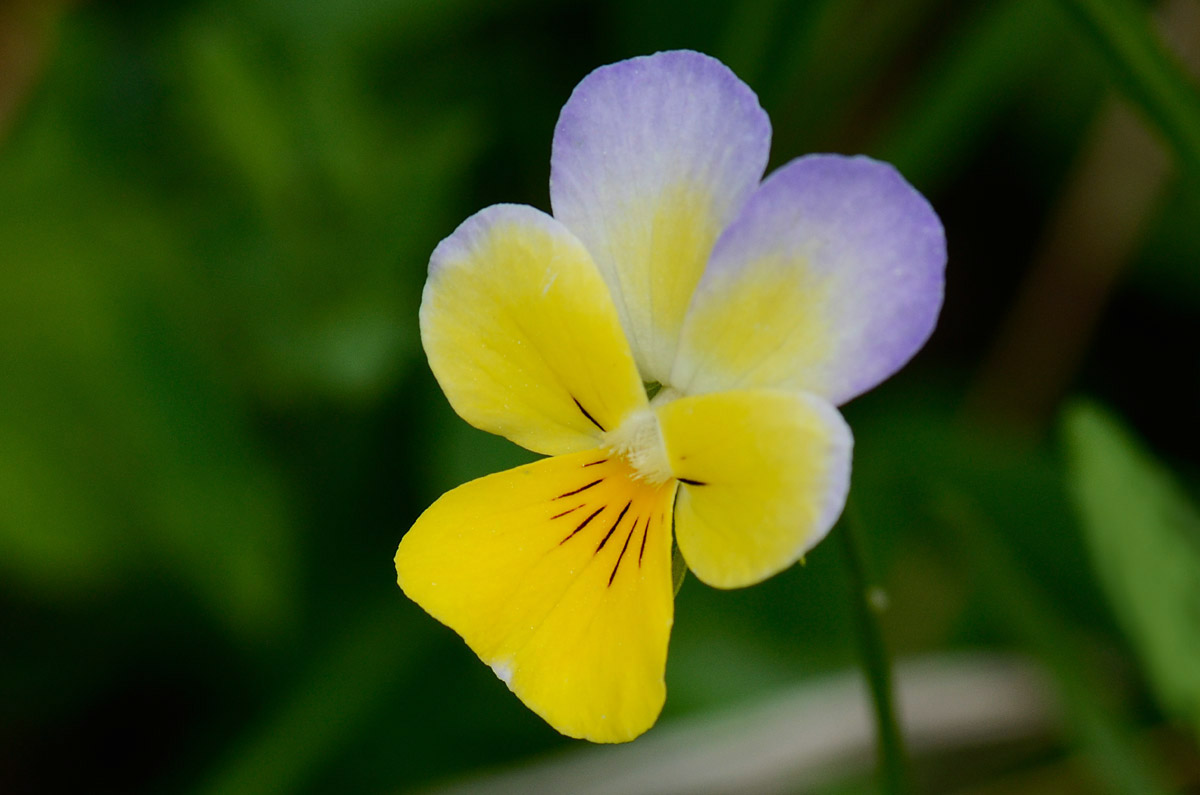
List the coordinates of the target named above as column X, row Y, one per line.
column 758, row 306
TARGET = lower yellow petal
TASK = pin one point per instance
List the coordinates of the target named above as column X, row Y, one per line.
column 558, row 575
column 763, row 478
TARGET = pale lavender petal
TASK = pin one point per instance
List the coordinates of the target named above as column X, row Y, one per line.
column 652, row 158
column 829, row 281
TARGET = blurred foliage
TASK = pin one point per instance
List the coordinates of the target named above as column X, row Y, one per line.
column 216, row 421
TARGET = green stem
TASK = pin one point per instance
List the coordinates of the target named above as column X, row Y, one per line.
column 867, row 601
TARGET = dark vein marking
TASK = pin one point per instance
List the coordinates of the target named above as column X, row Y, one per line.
column 582, row 525
column 613, row 576
column 645, row 532
column 569, row 510
column 614, row 527
column 581, row 488
column 692, row 482
column 594, row 463
column 591, row 419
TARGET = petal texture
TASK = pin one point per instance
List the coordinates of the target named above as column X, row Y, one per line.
column 558, row 575
column 829, row 281
column 652, row 157
column 763, row 477
column 522, row 335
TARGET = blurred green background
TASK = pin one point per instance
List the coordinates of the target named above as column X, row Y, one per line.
column 216, row 421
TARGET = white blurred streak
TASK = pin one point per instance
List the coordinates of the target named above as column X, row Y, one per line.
column 811, row 735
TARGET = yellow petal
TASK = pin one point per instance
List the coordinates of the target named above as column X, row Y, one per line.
column 558, row 575
column 522, row 335
column 763, row 478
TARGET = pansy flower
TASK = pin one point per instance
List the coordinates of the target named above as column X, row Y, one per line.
column 756, row 305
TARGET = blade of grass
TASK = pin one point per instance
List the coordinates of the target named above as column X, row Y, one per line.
column 1151, row 576
column 1146, row 70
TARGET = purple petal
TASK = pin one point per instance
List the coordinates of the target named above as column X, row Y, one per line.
column 829, row 281
column 652, row 158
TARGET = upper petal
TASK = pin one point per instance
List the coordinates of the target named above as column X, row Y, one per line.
column 522, row 335
column 763, row 477
column 558, row 575
column 829, row 281
column 652, row 157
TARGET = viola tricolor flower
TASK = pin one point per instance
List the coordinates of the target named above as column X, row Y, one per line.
column 758, row 306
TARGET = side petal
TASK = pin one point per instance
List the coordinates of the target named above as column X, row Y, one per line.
column 763, row 477
column 558, row 575
column 828, row 282
column 652, row 157
column 522, row 335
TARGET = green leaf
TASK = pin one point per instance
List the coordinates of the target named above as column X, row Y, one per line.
column 1146, row 70
column 1144, row 538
